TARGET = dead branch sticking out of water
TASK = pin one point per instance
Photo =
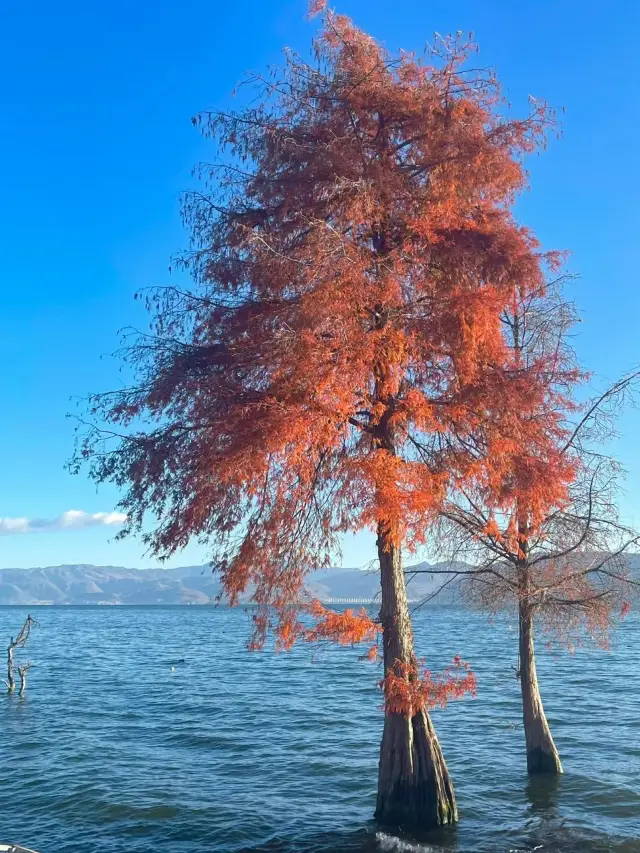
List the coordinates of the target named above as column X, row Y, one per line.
column 19, row 643
column 23, row 669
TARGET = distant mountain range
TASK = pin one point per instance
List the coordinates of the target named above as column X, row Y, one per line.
column 86, row 584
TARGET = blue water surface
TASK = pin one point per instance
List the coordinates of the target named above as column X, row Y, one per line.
column 111, row 751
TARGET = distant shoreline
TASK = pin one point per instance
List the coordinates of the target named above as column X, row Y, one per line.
column 222, row 606
column 116, row 586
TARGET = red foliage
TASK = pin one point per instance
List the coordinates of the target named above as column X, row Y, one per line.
column 410, row 688
column 537, row 515
column 316, row 7
column 352, row 256
column 347, row 627
column 373, row 654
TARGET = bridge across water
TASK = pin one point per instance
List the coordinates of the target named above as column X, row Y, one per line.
column 360, row 600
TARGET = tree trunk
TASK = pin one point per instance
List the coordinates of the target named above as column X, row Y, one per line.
column 542, row 755
column 23, row 670
column 414, row 788
column 11, row 683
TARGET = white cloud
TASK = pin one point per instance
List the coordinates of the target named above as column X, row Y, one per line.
column 72, row 519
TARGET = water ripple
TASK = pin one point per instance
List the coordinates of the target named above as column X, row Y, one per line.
column 111, row 751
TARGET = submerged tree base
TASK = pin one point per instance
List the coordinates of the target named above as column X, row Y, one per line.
column 542, row 755
column 414, row 788
column 541, row 761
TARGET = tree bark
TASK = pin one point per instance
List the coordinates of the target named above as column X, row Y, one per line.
column 414, row 788
column 542, row 755
column 23, row 670
column 19, row 643
column 11, row 682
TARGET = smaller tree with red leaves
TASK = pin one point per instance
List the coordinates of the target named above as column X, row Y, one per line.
column 540, row 525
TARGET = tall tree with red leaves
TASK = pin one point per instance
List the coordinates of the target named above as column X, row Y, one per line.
column 352, row 252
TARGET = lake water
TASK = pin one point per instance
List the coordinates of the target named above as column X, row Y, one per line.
column 112, row 752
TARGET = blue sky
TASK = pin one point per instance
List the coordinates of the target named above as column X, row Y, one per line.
column 96, row 145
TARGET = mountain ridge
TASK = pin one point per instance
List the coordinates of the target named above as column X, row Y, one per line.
column 83, row 583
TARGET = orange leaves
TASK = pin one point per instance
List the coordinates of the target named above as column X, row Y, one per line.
column 408, row 689
column 340, row 349
column 373, row 654
column 316, row 7
column 346, row 628
column 492, row 529
column 405, row 493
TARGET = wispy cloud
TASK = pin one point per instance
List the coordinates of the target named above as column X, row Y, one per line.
column 73, row 519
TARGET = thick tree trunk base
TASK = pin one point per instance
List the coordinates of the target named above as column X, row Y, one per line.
column 543, row 761
column 542, row 755
column 414, row 788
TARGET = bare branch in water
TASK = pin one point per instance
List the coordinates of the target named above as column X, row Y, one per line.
column 23, row 669
column 19, row 643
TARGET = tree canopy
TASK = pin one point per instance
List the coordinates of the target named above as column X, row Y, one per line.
column 353, row 250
